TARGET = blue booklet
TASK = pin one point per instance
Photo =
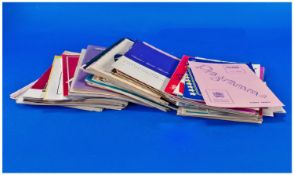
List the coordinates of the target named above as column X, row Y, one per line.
column 191, row 89
column 153, row 58
column 147, row 64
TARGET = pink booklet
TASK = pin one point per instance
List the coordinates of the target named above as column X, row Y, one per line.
column 232, row 86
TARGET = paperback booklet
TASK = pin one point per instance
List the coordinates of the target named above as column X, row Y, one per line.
column 223, row 84
column 147, row 64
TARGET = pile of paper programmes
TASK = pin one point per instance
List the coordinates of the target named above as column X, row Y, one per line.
column 137, row 72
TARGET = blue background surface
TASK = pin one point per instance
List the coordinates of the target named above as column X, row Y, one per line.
column 139, row 139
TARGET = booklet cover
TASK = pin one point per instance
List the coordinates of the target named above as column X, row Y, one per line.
column 147, row 64
column 54, row 88
column 37, row 90
column 78, row 83
column 176, row 84
column 191, row 89
column 69, row 64
column 221, row 85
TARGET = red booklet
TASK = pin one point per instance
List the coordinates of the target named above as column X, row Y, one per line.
column 177, row 76
column 69, row 65
column 38, row 88
column 42, row 81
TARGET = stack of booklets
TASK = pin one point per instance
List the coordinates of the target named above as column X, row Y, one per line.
column 132, row 71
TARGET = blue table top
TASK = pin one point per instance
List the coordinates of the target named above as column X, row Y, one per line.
column 140, row 139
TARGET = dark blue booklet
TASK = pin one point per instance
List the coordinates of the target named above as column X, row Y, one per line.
column 153, row 58
column 147, row 64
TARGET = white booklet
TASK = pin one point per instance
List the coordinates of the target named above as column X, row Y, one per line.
column 54, row 89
